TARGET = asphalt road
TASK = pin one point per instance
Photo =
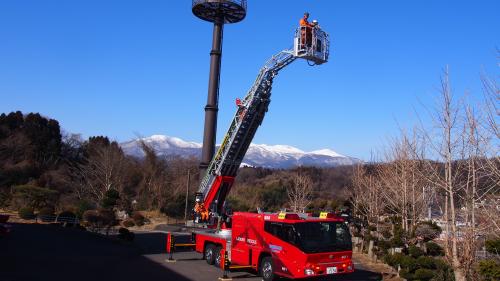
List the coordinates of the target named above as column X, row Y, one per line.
column 47, row 252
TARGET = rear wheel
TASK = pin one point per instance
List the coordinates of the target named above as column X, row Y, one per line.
column 210, row 253
column 218, row 257
column 267, row 269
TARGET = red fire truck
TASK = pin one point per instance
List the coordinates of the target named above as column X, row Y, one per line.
column 285, row 244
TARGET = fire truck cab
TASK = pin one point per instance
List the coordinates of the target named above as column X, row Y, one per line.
column 285, row 244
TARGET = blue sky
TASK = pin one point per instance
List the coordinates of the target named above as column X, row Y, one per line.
column 123, row 68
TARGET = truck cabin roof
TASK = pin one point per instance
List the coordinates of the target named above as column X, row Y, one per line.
column 291, row 217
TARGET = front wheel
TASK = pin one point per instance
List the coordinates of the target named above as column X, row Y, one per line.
column 267, row 269
column 210, row 254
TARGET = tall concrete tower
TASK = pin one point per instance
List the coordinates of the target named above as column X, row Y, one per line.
column 219, row 12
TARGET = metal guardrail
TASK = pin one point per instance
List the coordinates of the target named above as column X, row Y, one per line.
column 57, row 218
column 483, row 254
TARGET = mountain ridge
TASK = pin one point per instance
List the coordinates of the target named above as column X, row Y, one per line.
column 258, row 155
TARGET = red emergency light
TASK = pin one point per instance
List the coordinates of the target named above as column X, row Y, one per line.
column 285, row 216
column 327, row 215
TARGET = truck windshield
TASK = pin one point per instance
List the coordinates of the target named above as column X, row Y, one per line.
column 313, row 237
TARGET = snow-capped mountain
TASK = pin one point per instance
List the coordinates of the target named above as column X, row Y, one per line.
column 258, row 155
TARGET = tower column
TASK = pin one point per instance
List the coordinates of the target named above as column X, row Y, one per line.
column 212, row 107
column 219, row 12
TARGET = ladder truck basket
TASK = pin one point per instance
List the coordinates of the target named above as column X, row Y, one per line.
column 312, row 44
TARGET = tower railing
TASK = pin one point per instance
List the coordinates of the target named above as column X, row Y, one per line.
column 231, row 11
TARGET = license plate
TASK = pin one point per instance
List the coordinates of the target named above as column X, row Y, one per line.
column 331, row 270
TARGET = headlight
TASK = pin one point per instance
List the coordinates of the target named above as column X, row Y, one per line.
column 308, row 272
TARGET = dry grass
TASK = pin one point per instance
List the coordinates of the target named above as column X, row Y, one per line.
column 388, row 273
column 155, row 218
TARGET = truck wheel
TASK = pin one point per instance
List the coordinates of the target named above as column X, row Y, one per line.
column 267, row 269
column 218, row 257
column 210, row 253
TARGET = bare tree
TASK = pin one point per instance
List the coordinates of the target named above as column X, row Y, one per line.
column 402, row 186
column 300, row 191
column 488, row 198
column 365, row 194
column 103, row 169
column 445, row 143
column 154, row 187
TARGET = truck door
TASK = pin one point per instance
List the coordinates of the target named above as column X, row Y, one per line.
column 282, row 243
column 239, row 247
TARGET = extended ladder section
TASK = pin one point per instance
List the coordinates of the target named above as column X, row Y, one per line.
column 221, row 171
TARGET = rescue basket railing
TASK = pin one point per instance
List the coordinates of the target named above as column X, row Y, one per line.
column 312, row 43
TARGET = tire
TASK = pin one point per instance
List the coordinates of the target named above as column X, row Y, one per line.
column 210, row 254
column 217, row 258
column 267, row 269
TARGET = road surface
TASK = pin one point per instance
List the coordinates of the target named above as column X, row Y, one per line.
column 52, row 253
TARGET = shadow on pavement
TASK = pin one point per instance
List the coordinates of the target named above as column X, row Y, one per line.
column 45, row 252
column 150, row 243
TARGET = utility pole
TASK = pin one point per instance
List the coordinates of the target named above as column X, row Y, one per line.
column 187, row 195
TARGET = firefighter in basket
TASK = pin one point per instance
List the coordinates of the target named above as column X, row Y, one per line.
column 306, row 30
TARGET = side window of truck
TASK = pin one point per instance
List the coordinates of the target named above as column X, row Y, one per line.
column 273, row 228
column 285, row 232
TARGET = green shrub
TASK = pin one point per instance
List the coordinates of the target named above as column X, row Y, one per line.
column 110, row 199
column 138, row 218
column 128, row 223
column 424, row 274
column 46, row 211
column 493, row 246
column 5, row 198
column 389, row 259
column 125, row 234
column 380, row 253
column 81, row 207
column 113, row 194
column 415, row 251
column 393, row 260
column 174, row 207
column 386, row 233
column 427, row 230
column 443, row 272
column 26, row 213
column 409, row 263
column 384, row 245
column 108, row 217
column 434, row 249
column 426, row 262
column 100, row 218
column 405, row 273
column 34, row 196
column 399, row 237
column 66, row 216
column 92, row 217
column 489, row 270
column 46, row 214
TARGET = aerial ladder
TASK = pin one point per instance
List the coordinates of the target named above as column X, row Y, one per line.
column 311, row 44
